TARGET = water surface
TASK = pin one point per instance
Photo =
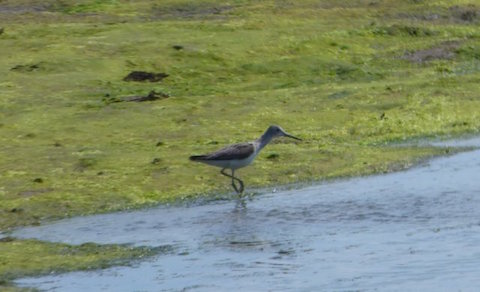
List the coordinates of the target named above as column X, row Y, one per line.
column 407, row 231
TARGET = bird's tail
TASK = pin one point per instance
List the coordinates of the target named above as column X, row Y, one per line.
column 197, row 157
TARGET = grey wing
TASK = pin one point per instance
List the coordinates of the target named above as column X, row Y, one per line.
column 235, row 151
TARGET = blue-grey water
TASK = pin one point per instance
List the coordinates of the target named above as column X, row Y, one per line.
column 415, row 230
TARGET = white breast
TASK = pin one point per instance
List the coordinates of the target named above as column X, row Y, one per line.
column 239, row 163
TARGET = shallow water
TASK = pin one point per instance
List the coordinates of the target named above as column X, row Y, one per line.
column 406, row 231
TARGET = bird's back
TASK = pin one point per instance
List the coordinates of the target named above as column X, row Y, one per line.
column 237, row 151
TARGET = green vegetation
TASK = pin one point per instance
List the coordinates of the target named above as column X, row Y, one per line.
column 349, row 77
column 21, row 258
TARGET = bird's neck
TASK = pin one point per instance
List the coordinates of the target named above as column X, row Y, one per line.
column 263, row 141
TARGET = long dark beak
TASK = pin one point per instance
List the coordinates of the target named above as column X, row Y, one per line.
column 291, row 136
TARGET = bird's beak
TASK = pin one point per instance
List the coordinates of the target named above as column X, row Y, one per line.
column 291, row 136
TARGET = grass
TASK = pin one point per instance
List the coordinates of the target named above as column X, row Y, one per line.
column 334, row 73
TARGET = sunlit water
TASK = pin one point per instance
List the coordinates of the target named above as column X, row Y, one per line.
column 407, row 231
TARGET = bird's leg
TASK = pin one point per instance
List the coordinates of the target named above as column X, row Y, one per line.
column 235, row 186
column 241, row 186
column 239, row 181
column 224, row 173
column 233, row 178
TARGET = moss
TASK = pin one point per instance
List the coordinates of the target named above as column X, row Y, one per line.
column 22, row 258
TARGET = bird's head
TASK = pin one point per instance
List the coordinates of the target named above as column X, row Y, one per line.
column 277, row 131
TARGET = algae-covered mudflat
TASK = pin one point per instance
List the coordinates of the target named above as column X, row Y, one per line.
column 349, row 77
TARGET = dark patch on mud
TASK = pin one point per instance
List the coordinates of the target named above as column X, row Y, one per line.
column 25, row 68
column 38, row 180
column 273, row 156
column 456, row 14
column 145, row 76
column 443, row 51
column 151, row 96
column 190, row 11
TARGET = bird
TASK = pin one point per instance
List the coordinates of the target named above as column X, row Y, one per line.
column 239, row 155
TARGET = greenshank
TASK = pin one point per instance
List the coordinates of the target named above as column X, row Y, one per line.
column 239, row 155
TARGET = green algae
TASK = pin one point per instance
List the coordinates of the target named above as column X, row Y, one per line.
column 23, row 258
column 334, row 73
